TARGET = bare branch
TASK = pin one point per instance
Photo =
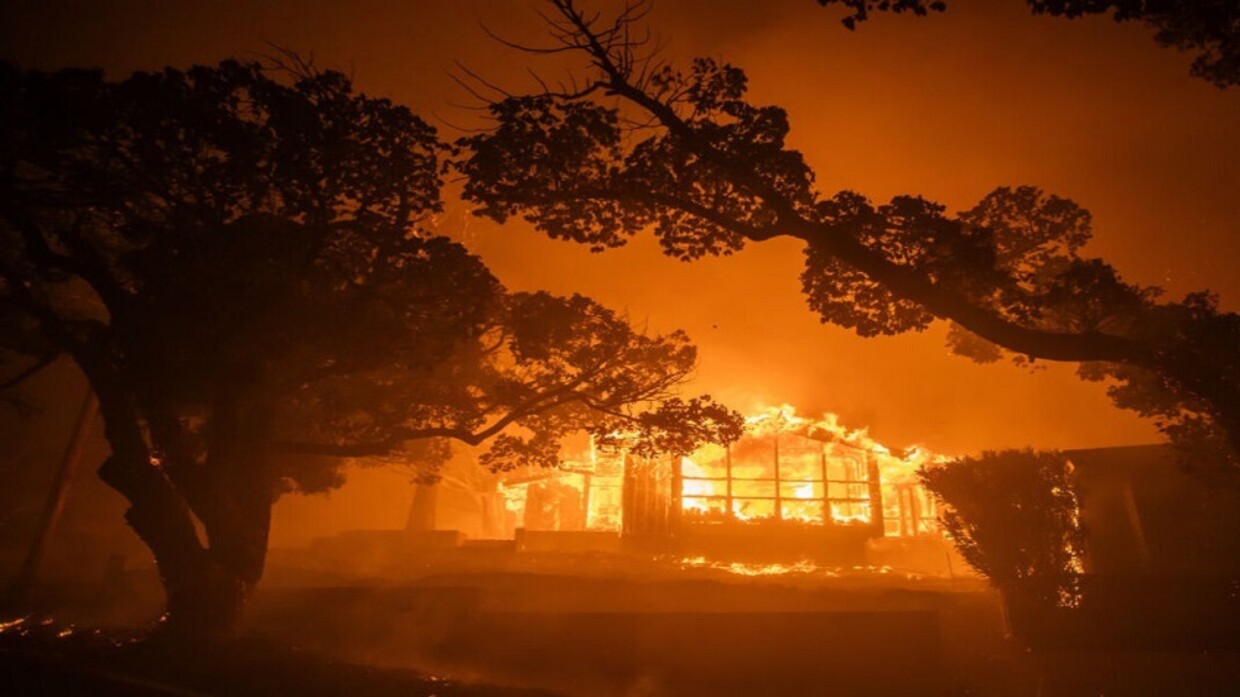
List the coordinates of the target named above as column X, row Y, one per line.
column 288, row 61
column 524, row 48
column 479, row 79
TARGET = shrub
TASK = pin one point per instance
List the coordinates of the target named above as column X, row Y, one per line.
column 1015, row 518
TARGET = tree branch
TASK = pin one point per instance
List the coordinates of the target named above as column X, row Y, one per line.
column 903, row 281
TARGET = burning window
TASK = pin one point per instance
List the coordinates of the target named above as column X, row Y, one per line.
column 785, row 469
column 777, row 476
column 579, row 495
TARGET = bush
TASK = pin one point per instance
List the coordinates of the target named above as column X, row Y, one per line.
column 1015, row 518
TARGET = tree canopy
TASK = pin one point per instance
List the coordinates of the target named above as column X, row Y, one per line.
column 233, row 255
column 1209, row 28
column 540, row 367
column 640, row 144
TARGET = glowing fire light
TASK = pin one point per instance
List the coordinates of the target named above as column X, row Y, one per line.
column 791, row 468
column 785, row 468
column 799, row 568
column 12, row 624
column 743, row 569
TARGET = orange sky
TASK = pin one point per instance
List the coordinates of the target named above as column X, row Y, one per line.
column 948, row 107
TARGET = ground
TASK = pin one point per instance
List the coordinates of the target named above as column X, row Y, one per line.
column 603, row 626
column 37, row 661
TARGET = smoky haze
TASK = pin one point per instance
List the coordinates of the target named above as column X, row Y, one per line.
column 948, row 107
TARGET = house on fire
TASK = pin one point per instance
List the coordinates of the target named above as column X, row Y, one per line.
column 790, row 488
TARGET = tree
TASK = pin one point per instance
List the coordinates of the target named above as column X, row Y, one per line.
column 233, row 258
column 1015, row 518
column 640, row 144
column 1209, row 27
column 859, row 10
column 540, row 367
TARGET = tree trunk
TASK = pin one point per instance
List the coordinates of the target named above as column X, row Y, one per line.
column 204, row 600
column 205, row 606
column 422, row 510
column 206, row 586
column 232, row 494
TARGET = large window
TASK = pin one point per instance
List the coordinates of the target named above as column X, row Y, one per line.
column 779, row 476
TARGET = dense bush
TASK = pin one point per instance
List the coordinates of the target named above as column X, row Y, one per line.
column 1015, row 518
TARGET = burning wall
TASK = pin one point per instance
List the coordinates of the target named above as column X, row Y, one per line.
column 785, row 470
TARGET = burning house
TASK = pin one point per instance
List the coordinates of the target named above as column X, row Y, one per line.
column 790, row 488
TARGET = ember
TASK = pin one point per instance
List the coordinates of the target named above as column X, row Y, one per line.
column 12, row 624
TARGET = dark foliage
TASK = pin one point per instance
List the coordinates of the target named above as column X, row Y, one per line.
column 859, row 10
column 641, row 145
column 1209, row 28
column 1014, row 517
column 233, row 257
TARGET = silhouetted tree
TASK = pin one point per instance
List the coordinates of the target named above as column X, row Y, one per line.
column 234, row 261
column 859, row 10
column 640, row 145
column 1210, row 28
column 539, row 367
column 1015, row 517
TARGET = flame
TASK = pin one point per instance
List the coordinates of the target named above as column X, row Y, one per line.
column 803, row 567
column 812, row 479
column 824, row 475
column 695, row 489
column 12, row 624
column 595, row 480
column 743, row 569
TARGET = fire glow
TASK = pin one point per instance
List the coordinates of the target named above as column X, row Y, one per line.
column 786, row 469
